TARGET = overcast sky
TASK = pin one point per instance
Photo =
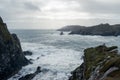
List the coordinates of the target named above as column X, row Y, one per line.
column 53, row 14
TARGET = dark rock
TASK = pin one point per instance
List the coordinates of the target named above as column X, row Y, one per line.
column 27, row 53
column 77, row 74
column 1, row 21
column 38, row 58
column 42, row 55
column 31, row 60
column 11, row 56
column 61, row 33
column 45, row 70
column 101, row 29
column 32, row 75
column 28, row 77
column 38, row 70
column 100, row 63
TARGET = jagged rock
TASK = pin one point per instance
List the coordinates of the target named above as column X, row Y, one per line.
column 77, row 74
column 101, row 29
column 100, row 63
column 11, row 56
column 32, row 75
column 27, row 53
column 1, row 21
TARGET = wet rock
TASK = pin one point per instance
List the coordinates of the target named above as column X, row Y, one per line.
column 38, row 58
column 42, row 55
column 45, row 70
column 11, row 56
column 77, row 74
column 61, row 33
column 31, row 60
column 32, row 75
column 27, row 53
column 100, row 63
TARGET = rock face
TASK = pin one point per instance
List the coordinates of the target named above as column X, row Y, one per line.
column 100, row 63
column 11, row 56
column 101, row 29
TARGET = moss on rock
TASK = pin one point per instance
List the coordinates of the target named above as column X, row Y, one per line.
column 98, row 61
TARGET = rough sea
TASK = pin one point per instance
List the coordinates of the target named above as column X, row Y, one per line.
column 56, row 54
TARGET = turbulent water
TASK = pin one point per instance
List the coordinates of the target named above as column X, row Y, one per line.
column 57, row 54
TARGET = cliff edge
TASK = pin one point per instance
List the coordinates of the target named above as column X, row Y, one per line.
column 100, row 63
column 11, row 55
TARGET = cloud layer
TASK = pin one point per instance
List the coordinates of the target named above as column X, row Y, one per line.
column 56, row 13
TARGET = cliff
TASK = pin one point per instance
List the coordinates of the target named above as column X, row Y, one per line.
column 101, row 29
column 11, row 55
column 100, row 63
column 71, row 28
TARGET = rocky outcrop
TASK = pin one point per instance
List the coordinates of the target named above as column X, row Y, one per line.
column 29, row 53
column 101, row 29
column 77, row 74
column 71, row 28
column 32, row 75
column 100, row 63
column 11, row 56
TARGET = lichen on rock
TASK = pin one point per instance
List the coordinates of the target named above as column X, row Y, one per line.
column 100, row 63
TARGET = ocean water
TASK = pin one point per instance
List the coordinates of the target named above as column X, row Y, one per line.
column 57, row 55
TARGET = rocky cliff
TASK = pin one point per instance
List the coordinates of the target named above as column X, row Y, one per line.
column 100, row 63
column 101, row 29
column 11, row 56
column 71, row 28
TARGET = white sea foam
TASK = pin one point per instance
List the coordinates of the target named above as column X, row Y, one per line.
column 57, row 55
column 58, row 63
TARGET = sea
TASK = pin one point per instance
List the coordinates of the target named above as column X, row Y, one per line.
column 57, row 55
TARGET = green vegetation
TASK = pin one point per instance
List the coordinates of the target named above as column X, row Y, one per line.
column 4, row 32
column 100, row 63
column 100, row 56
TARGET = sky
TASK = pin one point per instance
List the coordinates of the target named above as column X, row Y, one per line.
column 54, row 14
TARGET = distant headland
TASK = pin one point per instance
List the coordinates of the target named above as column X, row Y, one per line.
column 101, row 29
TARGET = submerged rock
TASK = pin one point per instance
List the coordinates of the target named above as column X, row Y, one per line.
column 32, row 75
column 11, row 56
column 100, row 63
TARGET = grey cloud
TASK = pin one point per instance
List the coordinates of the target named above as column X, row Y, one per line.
column 90, row 6
column 18, row 10
column 31, row 6
column 94, row 6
